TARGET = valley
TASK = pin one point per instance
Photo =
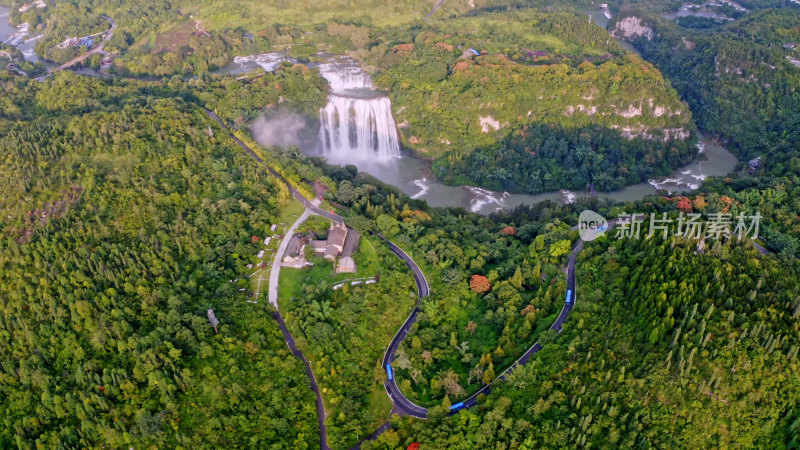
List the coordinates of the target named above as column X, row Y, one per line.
column 387, row 225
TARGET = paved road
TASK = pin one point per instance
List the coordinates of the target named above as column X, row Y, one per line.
column 274, row 276
column 275, row 270
column 402, row 405
column 323, row 430
column 295, row 193
column 311, row 208
column 97, row 49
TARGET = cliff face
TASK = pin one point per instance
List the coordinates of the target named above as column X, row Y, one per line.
column 481, row 103
column 630, row 28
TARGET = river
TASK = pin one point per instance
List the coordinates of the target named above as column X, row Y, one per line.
column 412, row 175
column 357, row 114
column 18, row 36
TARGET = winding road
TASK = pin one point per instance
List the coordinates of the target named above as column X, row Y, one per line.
column 323, row 430
column 404, row 406
column 311, row 208
column 401, row 404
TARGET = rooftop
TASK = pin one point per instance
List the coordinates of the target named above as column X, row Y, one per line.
column 351, row 242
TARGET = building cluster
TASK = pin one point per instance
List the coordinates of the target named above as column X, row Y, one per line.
column 87, row 41
column 339, row 247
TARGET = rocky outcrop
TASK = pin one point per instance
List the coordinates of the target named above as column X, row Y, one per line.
column 630, row 28
column 661, row 134
column 588, row 110
column 631, row 112
column 489, row 123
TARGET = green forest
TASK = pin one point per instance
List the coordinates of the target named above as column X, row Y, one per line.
column 667, row 348
column 123, row 222
column 345, row 331
column 738, row 79
column 128, row 213
column 465, row 333
column 742, row 88
column 544, row 85
column 479, row 117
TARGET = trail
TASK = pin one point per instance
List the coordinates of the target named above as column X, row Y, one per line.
column 435, row 8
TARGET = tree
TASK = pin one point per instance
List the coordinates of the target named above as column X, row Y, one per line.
column 388, row 225
column 684, row 204
column 488, row 374
column 452, row 384
column 479, row 284
column 509, row 231
column 517, row 279
column 560, row 248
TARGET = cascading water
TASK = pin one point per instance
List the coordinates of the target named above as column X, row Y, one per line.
column 357, row 122
column 357, row 128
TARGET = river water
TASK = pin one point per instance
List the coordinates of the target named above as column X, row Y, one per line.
column 411, row 175
column 372, row 118
column 17, row 36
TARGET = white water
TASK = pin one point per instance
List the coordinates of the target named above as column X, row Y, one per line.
column 345, row 76
column 719, row 163
column 357, row 123
column 16, row 36
column 482, row 197
column 267, row 61
column 353, row 95
column 422, row 184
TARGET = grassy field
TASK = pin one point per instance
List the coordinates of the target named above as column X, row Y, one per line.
column 259, row 277
column 360, row 319
column 255, row 14
column 290, row 212
column 292, row 280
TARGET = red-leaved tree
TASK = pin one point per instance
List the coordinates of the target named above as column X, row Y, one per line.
column 509, row 231
column 479, row 284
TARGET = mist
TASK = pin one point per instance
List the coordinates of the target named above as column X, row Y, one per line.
column 284, row 129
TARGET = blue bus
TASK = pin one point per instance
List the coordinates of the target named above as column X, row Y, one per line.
column 456, row 407
column 389, row 372
column 569, row 296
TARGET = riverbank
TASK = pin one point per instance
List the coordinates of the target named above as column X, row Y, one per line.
column 18, row 36
column 413, row 175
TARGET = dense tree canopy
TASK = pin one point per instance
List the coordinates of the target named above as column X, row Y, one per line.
column 123, row 222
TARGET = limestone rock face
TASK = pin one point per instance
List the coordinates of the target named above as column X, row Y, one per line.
column 631, row 28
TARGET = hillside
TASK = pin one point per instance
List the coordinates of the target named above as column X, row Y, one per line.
column 739, row 79
column 140, row 224
column 545, row 88
column 667, row 348
column 123, row 220
column 185, row 37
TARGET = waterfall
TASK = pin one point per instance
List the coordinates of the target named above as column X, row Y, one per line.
column 357, row 122
column 344, row 74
